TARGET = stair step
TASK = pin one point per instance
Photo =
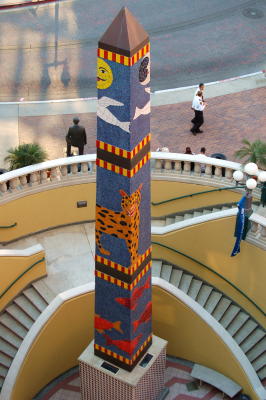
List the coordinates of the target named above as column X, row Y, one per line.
column 262, row 373
column 221, row 308
column 44, row 291
column 10, row 336
column 33, row 296
column 7, row 348
column 206, row 211
column 19, row 315
column 169, row 220
column 237, row 323
column 156, row 268
column 166, row 272
column 229, row 315
column 3, row 371
column 158, row 222
column 187, row 216
column 252, row 339
column 203, row 295
column 13, row 325
column 185, row 282
column 176, row 277
column 4, row 360
column 225, row 208
column 194, row 288
column 257, row 350
column 245, row 331
column 212, row 301
column 259, row 362
column 178, row 218
column 26, row 305
column 215, row 209
column 197, row 214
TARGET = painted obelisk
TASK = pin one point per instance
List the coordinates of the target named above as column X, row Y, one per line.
column 123, row 308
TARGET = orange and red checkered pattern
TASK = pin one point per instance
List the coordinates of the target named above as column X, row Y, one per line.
column 118, row 58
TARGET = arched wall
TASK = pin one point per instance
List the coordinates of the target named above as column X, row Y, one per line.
column 211, row 243
column 70, row 329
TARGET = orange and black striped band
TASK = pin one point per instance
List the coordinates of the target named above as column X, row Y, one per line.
column 126, row 274
column 119, row 360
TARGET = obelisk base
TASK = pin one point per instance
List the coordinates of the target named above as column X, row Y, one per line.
column 101, row 380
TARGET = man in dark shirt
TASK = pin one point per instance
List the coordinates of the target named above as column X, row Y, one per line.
column 76, row 137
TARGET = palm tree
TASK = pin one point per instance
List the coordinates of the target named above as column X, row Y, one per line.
column 253, row 152
column 24, row 155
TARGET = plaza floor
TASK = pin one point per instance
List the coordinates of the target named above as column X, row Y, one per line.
column 228, row 120
column 177, row 378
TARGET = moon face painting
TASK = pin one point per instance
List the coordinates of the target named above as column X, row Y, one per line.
column 104, row 75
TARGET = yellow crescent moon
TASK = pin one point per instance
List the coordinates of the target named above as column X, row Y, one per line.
column 104, row 75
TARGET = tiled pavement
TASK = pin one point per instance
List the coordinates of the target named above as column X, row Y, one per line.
column 177, row 377
column 228, row 119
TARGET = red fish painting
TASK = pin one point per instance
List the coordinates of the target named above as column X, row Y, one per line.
column 127, row 346
column 101, row 325
column 132, row 302
column 145, row 316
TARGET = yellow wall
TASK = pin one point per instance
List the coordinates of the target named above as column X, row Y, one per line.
column 56, row 207
column 70, row 330
column 211, row 243
column 47, row 209
column 164, row 190
column 11, row 268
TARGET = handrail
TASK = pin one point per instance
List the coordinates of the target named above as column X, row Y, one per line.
column 8, row 226
column 195, row 194
column 58, row 162
column 23, row 273
column 92, row 158
column 213, row 271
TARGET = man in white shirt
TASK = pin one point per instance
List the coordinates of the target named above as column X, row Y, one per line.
column 198, row 106
column 200, row 88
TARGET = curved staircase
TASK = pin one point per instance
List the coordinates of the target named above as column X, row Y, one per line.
column 196, row 212
column 17, row 319
column 247, row 333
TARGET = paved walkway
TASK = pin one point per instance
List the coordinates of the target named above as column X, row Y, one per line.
column 177, row 378
column 49, row 51
column 228, row 120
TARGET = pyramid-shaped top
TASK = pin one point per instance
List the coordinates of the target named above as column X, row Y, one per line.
column 125, row 35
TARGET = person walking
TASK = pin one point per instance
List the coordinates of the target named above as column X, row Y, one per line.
column 200, row 88
column 198, row 106
column 76, row 137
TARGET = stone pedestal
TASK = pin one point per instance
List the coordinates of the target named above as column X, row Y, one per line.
column 101, row 380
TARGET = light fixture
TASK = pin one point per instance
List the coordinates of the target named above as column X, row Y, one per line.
column 238, row 176
column 251, row 183
column 251, row 169
column 262, row 176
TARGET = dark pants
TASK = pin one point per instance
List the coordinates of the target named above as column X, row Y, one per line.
column 198, row 120
column 81, row 150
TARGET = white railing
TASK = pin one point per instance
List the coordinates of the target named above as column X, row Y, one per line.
column 257, row 233
column 62, row 170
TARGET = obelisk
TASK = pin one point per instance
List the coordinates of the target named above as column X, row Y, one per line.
column 123, row 304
